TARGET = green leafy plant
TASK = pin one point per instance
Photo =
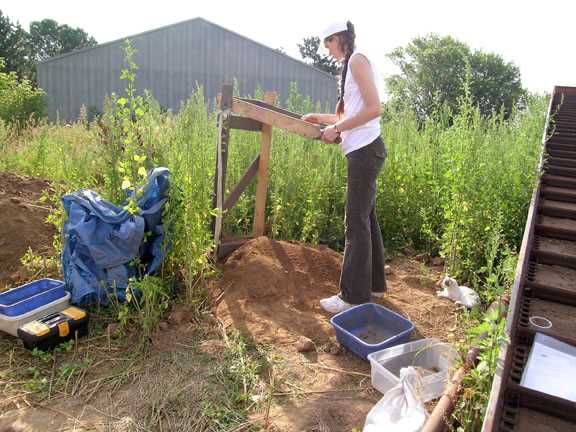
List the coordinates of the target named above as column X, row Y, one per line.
column 20, row 102
column 37, row 381
column 149, row 298
column 471, row 407
column 124, row 126
column 38, row 265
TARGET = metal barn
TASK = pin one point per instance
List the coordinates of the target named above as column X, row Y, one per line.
column 173, row 61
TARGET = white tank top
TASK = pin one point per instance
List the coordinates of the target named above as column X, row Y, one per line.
column 363, row 135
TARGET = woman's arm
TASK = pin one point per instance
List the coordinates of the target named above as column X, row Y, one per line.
column 362, row 71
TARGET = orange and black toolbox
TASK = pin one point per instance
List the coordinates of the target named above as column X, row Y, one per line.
column 47, row 332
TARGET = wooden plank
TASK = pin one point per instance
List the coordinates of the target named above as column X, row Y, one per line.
column 242, row 184
column 262, row 185
column 229, row 246
column 276, row 119
column 245, row 123
column 272, row 107
column 221, row 158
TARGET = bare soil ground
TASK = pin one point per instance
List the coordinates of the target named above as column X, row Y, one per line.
column 271, row 291
column 268, row 291
column 22, row 225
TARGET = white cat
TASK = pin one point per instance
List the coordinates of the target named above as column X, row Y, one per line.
column 459, row 294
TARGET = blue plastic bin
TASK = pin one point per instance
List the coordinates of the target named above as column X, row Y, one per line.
column 370, row 327
column 30, row 296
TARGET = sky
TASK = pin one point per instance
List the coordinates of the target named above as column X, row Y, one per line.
column 537, row 36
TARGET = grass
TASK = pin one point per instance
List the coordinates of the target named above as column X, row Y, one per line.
column 180, row 387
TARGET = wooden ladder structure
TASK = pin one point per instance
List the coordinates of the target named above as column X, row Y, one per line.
column 256, row 116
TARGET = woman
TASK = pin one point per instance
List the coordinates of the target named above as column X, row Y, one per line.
column 357, row 123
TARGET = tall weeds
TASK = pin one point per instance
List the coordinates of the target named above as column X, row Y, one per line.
column 445, row 188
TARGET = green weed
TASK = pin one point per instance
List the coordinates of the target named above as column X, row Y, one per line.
column 471, row 406
column 442, row 190
column 238, row 373
column 496, row 283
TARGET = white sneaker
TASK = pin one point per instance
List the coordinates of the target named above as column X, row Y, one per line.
column 379, row 294
column 334, row 304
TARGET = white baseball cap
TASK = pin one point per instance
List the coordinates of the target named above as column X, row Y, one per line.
column 333, row 28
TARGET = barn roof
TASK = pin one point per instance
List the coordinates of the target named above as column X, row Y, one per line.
column 189, row 21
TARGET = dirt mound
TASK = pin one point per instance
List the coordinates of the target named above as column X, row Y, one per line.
column 22, row 225
column 272, row 289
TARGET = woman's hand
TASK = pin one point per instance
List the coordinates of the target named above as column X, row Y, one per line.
column 330, row 134
column 311, row 118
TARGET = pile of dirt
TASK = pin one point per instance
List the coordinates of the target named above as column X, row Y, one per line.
column 271, row 291
column 23, row 224
column 272, row 288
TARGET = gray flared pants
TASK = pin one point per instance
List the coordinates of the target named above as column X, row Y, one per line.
column 363, row 267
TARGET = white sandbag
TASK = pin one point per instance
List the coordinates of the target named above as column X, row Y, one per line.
column 401, row 409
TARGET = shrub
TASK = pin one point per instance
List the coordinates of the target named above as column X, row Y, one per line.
column 19, row 100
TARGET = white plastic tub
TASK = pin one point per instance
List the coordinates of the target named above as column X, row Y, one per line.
column 431, row 357
column 9, row 324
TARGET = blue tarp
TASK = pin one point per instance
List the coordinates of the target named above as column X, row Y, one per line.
column 101, row 241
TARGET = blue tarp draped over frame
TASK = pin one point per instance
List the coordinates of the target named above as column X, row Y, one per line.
column 102, row 240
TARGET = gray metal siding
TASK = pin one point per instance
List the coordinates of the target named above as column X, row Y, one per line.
column 172, row 62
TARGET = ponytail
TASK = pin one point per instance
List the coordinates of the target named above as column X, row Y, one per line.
column 347, row 43
column 340, row 105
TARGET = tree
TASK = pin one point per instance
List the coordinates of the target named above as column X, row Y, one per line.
column 21, row 49
column 433, row 72
column 309, row 50
column 48, row 39
column 495, row 83
column 14, row 47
